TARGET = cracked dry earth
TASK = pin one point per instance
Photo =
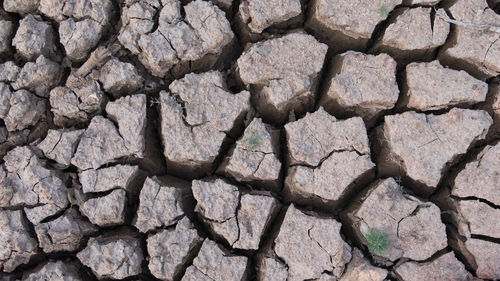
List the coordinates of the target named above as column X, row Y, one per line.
column 239, row 140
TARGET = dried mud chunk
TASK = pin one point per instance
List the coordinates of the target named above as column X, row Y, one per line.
column 55, row 271
column 60, row 145
column 157, row 53
column 137, row 19
column 6, row 31
column 9, row 71
column 214, row 264
column 255, row 156
column 78, row 38
column 413, row 33
column 480, row 178
column 100, row 144
column 284, row 73
column 360, row 269
column 39, row 77
column 362, row 85
column 16, row 244
column 486, row 255
column 258, row 15
column 120, row 78
column 410, row 228
column 65, row 233
column 21, row 7
column 346, row 24
column 130, row 114
column 476, row 216
column 193, row 141
column 160, row 205
column 423, row 146
column 431, row 86
column 106, row 210
column 101, row 180
column 25, row 110
column 171, row 249
column 311, row 245
column 444, row 268
column 113, row 257
column 313, row 138
column 476, row 51
column 34, row 37
column 98, row 10
column 271, row 269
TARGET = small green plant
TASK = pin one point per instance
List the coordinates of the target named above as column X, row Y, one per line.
column 383, row 12
column 377, row 240
column 253, row 142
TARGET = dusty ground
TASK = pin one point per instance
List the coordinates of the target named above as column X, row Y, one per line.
column 352, row 140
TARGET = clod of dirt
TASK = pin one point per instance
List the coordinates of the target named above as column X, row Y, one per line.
column 38, row 77
column 114, row 257
column 104, row 179
column 255, row 156
column 214, row 263
column 413, row 34
column 16, row 244
column 282, row 74
column 160, row 204
column 20, row 7
column 446, row 267
column 34, row 37
column 171, row 249
column 405, row 226
column 309, row 246
column 78, row 38
column 348, row 25
column 25, row 182
column 196, row 119
column 430, row 86
column 55, row 271
column 120, row 78
column 361, row 85
column 6, row 31
column 65, row 233
column 9, row 71
column 20, row 109
column 476, row 51
column 240, row 219
column 423, row 146
column 60, row 145
column 107, row 210
column 59, row 10
column 360, row 269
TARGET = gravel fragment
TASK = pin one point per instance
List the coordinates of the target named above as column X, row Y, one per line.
column 213, row 263
column 55, row 271
column 120, row 78
column 16, row 244
column 444, row 268
column 160, row 204
column 255, row 156
column 431, row 86
column 24, row 110
column 413, row 228
column 171, row 249
column 107, row 210
column 193, row 141
column 60, row 145
column 65, row 233
column 79, row 37
column 258, row 15
column 423, row 146
column 39, row 77
column 114, row 257
column 34, row 37
column 361, row 85
column 6, row 31
column 104, row 179
column 283, row 73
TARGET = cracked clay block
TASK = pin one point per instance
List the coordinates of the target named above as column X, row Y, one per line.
column 60, row 145
column 107, row 210
column 120, row 78
column 34, row 37
column 104, row 179
column 444, row 268
column 38, row 77
column 55, row 271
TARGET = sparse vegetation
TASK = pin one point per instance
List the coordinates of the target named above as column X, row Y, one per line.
column 377, row 240
column 383, row 12
column 253, row 142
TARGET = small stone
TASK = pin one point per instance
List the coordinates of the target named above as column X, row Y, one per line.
column 413, row 34
column 25, row 110
column 171, row 249
column 9, row 71
column 433, row 87
column 16, row 244
column 60, row 145
column 311, row 245
column 78, row 38
column 444, row 268
column 115, row 257
column 423, row 146
column 213, row 263
column 160, row 205
column 39, row 77
column 65, row 233
column 6, row 31
column 120, row 78
column 34, row 37
column 361, row 85
column 104, row 179
column 286, row 70
column 258, row 15
column 192, row 142
column 255, row 156
column 55, row 271
column 108, row 210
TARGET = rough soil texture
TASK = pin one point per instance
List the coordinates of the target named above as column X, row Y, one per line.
column 221, row 140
